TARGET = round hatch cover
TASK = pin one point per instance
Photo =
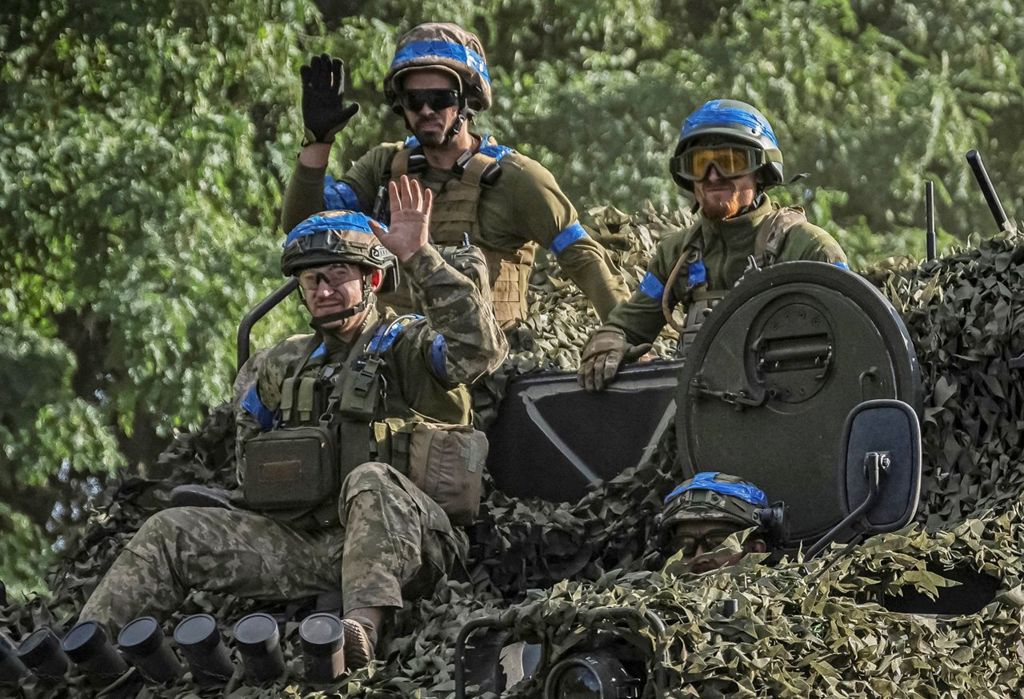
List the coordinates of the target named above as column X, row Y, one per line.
column 773, row 373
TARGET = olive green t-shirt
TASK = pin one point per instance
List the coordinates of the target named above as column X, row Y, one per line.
column 525, row 204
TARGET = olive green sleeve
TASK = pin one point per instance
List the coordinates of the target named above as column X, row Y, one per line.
column 588, row 264
column 545, row 215
column 464, row 341
column 809, row 242
column 640, row 316
column 304, row 195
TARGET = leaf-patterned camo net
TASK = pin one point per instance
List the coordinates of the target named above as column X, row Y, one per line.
column 787, row 629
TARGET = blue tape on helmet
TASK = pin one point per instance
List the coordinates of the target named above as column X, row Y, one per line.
column 705, row 480
column 841, row 265
column 350, row 221
column 434, row 48
column 439, row 357
column 652, row 286
column 696, row 274
column 340, row 195
column 567, row 236
column 711, row 114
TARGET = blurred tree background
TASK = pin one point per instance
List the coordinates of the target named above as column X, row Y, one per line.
column 146, row 143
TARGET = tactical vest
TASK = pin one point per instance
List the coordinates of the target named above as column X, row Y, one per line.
column 699, row 300
column 354, row 395
column 455, row 217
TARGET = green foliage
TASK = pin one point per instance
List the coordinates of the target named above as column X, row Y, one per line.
column 146, row 143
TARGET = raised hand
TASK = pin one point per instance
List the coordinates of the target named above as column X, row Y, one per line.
column 410, row 218
column 324, row 113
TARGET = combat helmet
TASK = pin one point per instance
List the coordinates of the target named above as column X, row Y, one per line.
column 447, row 47
column 711, row 495
column 734, row 122
column 337, row 236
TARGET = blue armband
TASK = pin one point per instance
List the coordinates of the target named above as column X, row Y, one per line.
column 252, row 404
column 439, row 357
column 696, row 274
column 652, row 286
column 339, row 195
column 566, row 237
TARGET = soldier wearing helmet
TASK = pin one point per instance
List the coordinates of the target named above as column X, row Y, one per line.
column 702, row 512
column 727, row 157
column 499, row 199
column 327, row 440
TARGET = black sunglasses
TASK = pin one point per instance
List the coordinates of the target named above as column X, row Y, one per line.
column 413, row 100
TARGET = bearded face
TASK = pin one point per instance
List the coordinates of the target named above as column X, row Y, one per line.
column 723, row 197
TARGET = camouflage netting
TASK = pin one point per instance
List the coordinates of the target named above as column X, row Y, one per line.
column 790, row 629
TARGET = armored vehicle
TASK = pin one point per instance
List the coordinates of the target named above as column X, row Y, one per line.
column 882, row 409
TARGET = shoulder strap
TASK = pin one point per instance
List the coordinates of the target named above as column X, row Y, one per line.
column 692, row 250
column 400, row 163
column 774, row 230
column 475, row 169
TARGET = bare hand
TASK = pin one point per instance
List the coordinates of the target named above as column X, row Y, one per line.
column 410, row 218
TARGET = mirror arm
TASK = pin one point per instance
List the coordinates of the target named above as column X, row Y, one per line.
column 875, row 464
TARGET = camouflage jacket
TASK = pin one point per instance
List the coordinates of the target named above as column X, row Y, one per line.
column 426, row 361
column 719, row 252
column 522, row 209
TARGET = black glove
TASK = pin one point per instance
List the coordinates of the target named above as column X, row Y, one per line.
column 324, row 113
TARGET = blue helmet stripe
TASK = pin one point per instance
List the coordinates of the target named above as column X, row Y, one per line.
column 350, row 221
column 711, row 114
column 705, row 480
column 434, row 48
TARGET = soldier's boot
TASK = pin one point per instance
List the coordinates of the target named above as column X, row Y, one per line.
column 360, row 638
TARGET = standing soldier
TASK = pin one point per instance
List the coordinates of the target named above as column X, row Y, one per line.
column 345, row 513
column 727, row 156
column 498, row 199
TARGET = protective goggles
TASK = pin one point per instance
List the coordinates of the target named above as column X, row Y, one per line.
column 413, row 100
column 689, row 543
column 730, row 161
column 335, row 275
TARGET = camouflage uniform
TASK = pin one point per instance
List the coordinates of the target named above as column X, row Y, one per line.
column 725, row 248
column 392, row 542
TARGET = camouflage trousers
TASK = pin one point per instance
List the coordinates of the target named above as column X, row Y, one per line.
column 394, row 541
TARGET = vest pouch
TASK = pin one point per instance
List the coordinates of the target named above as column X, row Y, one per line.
column 290, row 468
column 447, row 462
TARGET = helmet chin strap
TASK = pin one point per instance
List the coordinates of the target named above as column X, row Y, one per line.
column 319, row 322
column 460, row 121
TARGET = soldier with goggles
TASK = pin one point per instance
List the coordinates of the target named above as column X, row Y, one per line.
column 702, row 512
column 727, row 157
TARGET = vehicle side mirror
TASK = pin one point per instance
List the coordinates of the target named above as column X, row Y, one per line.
column 879, row 469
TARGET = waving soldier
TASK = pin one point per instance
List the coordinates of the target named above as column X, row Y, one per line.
column 498, row 199
column 377, row 397
column 727, row 157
